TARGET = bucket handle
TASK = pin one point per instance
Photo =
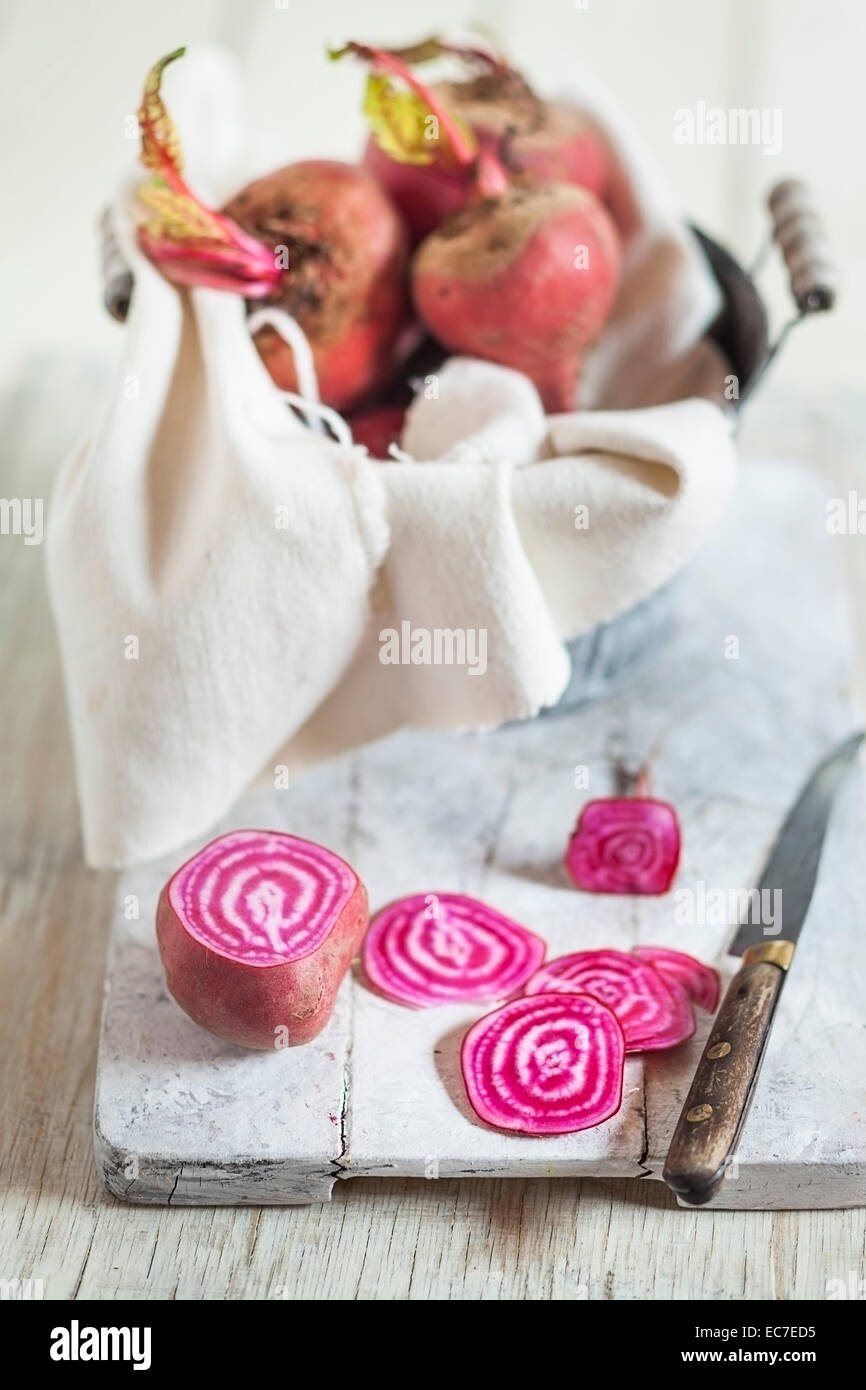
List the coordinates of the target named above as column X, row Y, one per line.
column 799, row 232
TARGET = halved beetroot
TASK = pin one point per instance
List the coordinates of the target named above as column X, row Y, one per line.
column 653, row 1012
column 628, row 844
column 256, row 932
column 441, row 948
column 545, row 1064
column 700, row 982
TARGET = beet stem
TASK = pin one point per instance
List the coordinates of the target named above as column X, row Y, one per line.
column 435, row 47
column 387, row 62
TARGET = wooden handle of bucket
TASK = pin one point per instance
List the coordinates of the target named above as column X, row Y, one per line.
column 800, row 233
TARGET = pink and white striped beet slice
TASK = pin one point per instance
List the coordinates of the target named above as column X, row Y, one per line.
column 700, row 982
column 653, row 1012
column 260, row 896
column 256, row 931
column 443, row 948
column 545, row 1064
column 624, row 845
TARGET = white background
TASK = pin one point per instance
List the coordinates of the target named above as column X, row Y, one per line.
column 71, row 74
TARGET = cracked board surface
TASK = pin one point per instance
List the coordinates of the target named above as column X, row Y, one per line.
column 733, row 728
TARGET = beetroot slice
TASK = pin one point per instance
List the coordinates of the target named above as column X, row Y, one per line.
column 545, row 1064
column 439, row 948
column 700, row 982
column 256, row 931
column 653, row 1012
column 624, row 845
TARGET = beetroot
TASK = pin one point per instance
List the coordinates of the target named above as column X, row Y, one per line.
column 522, row 275
column 378, row 427
column 700, row 982
column 526, row 279
column 653, row 1012
column 319, row 240
column 440, row 948
column 424, row 196
column 549, row 142
column 542, row 142
column 346, row 281
column 545, row 1064
column 256, row 931
column 624, row 845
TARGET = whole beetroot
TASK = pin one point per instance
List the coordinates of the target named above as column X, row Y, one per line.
column 525, row 274
column 549, row 141
column 542, row 142
column 526, row 279
column 425, row 195
column 346, row 278
column 319, row 239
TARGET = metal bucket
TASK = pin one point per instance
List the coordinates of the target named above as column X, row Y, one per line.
column 601, row 657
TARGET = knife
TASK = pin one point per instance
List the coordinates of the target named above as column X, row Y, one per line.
column 718, row 1101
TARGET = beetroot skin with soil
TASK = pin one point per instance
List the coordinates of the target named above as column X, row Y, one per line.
column 346, row 282
column 256, row 933
column 526, row 279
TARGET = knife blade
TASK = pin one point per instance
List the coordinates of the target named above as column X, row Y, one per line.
column 715, row 1109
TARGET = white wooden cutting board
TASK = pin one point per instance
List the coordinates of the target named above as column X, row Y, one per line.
column 184, row 1118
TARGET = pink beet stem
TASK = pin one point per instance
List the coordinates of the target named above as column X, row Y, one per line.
column 207, row 266
column 642, row 782
column 231, row 259
column 381, row 58
column 491, row 179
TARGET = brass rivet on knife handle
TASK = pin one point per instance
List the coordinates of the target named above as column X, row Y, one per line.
column 715, row 1109
column 779, row 953
column 699, row 1113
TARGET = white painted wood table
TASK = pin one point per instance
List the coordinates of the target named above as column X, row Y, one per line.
column 734, row 710
column 378, row 1238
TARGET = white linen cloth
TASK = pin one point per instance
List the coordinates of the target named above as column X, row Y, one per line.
column 224, row 578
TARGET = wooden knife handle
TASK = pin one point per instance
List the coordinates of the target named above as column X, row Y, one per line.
column 715, row 1110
